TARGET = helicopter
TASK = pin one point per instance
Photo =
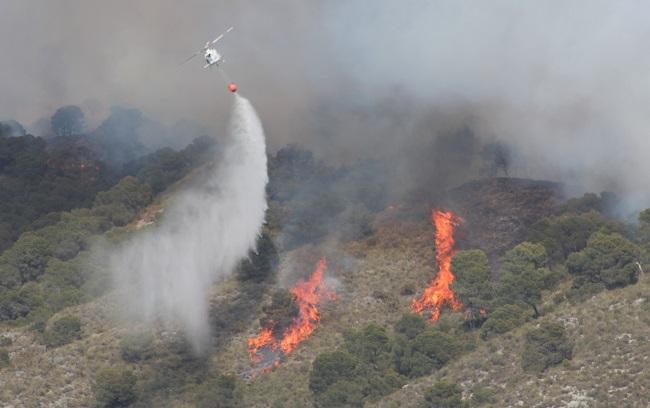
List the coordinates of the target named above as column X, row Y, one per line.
column 213, row 58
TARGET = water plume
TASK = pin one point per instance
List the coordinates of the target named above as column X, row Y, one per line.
column 165, row 271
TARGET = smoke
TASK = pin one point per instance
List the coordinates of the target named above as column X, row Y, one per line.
column 564, row 84
column 165, row 272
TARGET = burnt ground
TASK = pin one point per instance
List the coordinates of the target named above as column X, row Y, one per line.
column 497, row 211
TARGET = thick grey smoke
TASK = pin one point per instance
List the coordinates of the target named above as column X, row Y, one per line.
column 564, row 82
column 165, row 272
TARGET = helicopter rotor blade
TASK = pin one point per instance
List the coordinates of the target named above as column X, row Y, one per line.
column 188, row 59
column 221, row 35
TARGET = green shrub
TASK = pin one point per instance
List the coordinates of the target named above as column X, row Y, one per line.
column 428, row 350
column 118, row 214
column 364, row 372
column 28, row 257
column 608, row 259
column 567, row 233
column 341, row 394
column 444, row 394
column 377, row 383
column 129, row 192
column 410, row 325
column 483, row 395
column 114, row 387
column 503, row 319
column 176, row 366
column 62, row 331
column 523, row 269
column 546, row 346
column 328, row 368
column 16, row 303
column 4, row 358
column 472, row 284
column 260, row 263
column 5, row 341
column 220, row 392
column 136, row 346
column 439, row 347
column 370, row 344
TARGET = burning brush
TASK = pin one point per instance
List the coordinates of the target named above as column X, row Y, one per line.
column 439, row 293
column 265, row 349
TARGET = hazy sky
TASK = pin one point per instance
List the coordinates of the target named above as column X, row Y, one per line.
column 566, row 82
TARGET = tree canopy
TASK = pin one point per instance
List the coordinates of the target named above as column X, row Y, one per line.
column 472, row 284
column 68, row 120
column 522, row 275
column 608, row 260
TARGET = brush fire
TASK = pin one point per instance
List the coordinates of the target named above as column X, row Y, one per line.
column 438, row 293
column 265, row 349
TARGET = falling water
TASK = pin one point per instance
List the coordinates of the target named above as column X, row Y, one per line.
column 165, row 271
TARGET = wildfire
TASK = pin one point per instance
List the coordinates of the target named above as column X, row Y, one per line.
column 308, row 294
column 438, row 293
column 264, row 339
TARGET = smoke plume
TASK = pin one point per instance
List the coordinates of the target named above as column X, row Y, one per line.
column 165, row 271
column 564, row 84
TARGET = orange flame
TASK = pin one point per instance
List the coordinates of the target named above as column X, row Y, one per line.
column 308, row 294
column 438, row 293
column 264, row 339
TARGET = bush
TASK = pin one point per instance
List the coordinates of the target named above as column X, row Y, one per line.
column 523, row 269
column 176, row 366
column 220, row 392
column 4, row 358
column 328, row 368
column 546, row 346
column 483, row 395
column 503, row 319
column 341, row 394
column 62, row 331
column 410, row 325
column 608, row 259
column 136, row 346
column 439, row 347
column 567, row 233
column 28, row 257
column 427, row 350
column 370, row 344
column 472, row 284
column 261, row 263
column 114, row 387
column 19, row 303
column 361, row 373
column 130, row 192
column 444, row 394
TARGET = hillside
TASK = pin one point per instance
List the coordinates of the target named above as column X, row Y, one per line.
column 375, row 278
column 609, row 366
column 498, row 211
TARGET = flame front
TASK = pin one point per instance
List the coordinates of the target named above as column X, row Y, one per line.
column 438, row 293
column 264, row 339
column 308, row 294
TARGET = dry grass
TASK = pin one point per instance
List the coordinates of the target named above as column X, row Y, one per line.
column 611, row 336
column 610, row 331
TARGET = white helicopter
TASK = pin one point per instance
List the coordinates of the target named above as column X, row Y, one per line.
column 212, row 57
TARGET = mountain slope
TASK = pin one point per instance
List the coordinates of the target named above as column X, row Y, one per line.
column 611, row 336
